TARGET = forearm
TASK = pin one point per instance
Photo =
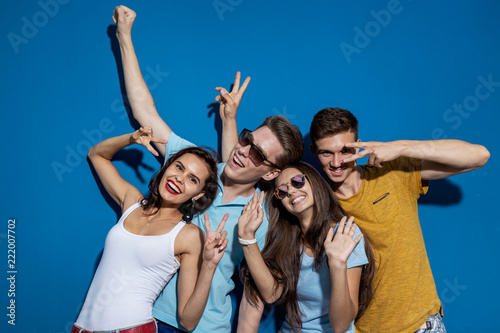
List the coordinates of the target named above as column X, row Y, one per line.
column 108, row 148
column 229, row 137
column 260, row 273
column 191, row 314
column 454, row 153
column 140, row 99
column 249, row 316
column 341, row 310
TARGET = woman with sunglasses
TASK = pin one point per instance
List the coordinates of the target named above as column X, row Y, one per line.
column 314, row 258
column 153, row 239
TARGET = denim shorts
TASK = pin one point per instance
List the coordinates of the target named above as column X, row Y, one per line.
column 434, row 324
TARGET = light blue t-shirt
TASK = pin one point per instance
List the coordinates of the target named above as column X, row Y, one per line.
column 313, row 291
column 217, row 315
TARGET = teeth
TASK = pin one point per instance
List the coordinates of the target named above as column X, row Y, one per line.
column 237, row 161
column 173, row 187
column 294, row 201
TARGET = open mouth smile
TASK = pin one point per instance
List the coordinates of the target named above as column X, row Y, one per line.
column 172, row 187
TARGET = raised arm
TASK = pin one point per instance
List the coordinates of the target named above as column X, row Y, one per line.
column 193, row 288
column 139, row 96
column 229, row 103
column 440, row 158
column 101, row 154
column 248, row 223
column 343, row 306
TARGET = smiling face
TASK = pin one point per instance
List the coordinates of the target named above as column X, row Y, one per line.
column 299, row 202
column 330, row 151
column 183, row 180
column 240, row 169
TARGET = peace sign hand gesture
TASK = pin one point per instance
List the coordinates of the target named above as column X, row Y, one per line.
column 339, row 247
column 144, row 136
column 229, row 102
column 215, row 242
column 377, row 152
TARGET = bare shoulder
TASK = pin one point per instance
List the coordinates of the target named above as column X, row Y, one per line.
column 189, row 239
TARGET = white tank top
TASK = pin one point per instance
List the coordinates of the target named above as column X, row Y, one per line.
column 133, row 271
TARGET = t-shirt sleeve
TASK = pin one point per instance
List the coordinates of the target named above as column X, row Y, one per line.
column 358, row 255
column 409, row 171
column 176, row 143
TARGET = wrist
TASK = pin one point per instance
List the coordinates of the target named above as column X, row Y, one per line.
column 229, row 120
column 209, row 266
column 246, row 235
column 246, row 241
column 337, row 264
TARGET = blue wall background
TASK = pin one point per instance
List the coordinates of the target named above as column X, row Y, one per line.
column 403, row 67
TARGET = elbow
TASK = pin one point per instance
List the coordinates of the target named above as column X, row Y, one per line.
column 188, row 325
column 341, row 326
column 91, row 152
column 484, row 156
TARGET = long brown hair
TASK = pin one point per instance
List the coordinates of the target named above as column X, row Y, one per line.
column 211, row 185
column 282, row 255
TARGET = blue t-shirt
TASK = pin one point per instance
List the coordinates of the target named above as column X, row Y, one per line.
column 217, row 315
column 314, row 288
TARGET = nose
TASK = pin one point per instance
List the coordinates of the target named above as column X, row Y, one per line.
column 180, row 178
column 291, row 190
column 336, row 161
column 243, row 150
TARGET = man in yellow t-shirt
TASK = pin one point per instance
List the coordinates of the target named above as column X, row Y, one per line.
column 382, row 196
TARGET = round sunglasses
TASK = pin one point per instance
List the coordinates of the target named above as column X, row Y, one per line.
column 297, row 182
column 255, row 154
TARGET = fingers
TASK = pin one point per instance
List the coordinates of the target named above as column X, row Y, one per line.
column 349, row 225
column 358, row 239
column 151, row 149
column 329, row 235
column 244, row 85
column 356, row 156
column 341, row 225
column 261, row 199
column 359, row 144
column 222, row 239
column 162, row 141
column 207, row 223
column 221, row 224
column 236, row 84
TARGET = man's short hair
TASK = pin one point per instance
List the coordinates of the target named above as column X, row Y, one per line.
column 333, row 121
column 289, row 137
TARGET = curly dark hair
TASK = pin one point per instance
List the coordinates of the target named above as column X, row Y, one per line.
column 210, row 157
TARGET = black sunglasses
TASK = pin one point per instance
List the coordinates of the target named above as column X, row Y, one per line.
column 297, row 182
column 255, row 154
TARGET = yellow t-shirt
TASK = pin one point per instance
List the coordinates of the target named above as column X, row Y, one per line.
column 385, row 207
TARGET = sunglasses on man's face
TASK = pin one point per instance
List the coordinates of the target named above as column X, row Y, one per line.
column 297, row 182
column 255, row 154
